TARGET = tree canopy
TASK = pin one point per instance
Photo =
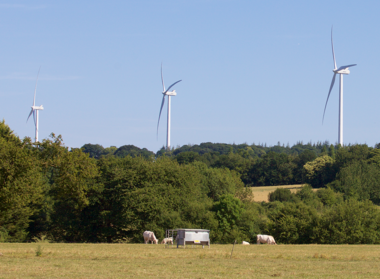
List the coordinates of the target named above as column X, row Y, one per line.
column 97, row 194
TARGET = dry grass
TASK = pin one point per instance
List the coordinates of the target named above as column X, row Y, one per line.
column 146, row 261
column 261, row 193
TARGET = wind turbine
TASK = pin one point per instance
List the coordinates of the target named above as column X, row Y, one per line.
column 343, row 70
column 35, row 109
column 169, row 94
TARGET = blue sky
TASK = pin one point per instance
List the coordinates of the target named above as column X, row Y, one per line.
column 252, row 71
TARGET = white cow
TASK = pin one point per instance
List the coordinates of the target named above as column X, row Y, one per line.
column 168, row 240
column 245, row 243
column 262, row 238
column 149, row 236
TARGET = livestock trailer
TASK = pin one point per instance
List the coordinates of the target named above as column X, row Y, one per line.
column 193, row 237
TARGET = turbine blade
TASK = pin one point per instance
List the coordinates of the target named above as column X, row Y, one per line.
column 172, row 85
column 35, row 88
column 29, row 115
column 159, row 116
column 347, row 66
column 162, row 79
column 328, row 96
column 332, row 45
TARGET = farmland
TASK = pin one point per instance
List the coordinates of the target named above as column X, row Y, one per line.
column 261, row 193
column 145, row 261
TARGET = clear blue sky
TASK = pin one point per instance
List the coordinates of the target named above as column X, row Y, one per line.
column 252, row 71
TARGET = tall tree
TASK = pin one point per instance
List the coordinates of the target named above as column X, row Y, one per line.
column 71, row 180
column 320, row 171
column 21, row 184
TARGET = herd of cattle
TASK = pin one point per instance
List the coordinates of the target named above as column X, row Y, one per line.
column 149, row 236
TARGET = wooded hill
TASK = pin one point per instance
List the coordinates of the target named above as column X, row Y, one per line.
column 117, row 193
column 257, row 165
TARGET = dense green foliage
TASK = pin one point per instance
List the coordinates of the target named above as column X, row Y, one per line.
column 21, row 185
column 257, row 165
column 97, row 194
column 97, row 151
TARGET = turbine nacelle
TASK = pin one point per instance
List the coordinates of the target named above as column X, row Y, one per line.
column 345, row 71
column 170, row 93
column 37, row 108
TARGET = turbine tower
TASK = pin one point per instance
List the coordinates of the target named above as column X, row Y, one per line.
column 35, row 109
column 343, row 70
column 169, row 94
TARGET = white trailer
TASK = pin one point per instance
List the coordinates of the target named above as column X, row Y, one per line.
column 193, row 237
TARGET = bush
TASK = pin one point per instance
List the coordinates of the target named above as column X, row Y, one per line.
column 293, row 223
column 228, row 211
column 350, row 222
column 281, row 195
column 360, row 181
column 3, row 235
column 328, row 197
column 309, row 197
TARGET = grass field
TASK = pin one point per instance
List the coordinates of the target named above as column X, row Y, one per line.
column 156, row 261
column 261, row 193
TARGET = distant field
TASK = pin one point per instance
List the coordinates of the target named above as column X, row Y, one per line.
column 261, row 193
column 147, row 261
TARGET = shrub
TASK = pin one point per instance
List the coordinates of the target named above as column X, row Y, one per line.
column 359, row 180
column 293, row 223
column 350, row 222
column 281, row 195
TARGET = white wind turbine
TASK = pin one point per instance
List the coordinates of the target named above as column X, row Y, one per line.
column 343, row 70
column 35, row 109
column 169, row 94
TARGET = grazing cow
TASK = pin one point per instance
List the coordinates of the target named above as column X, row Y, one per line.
column 245, row 243
column 168, row 240
column 149, row 236
column 262, row 238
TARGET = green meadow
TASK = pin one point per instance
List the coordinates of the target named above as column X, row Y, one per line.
column 55, row 260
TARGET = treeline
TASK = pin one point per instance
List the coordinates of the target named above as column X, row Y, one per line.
column 68, row 196
column 47, row 189
column 257, row 165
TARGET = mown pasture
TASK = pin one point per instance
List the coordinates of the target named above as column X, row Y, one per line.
column 58, row 260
